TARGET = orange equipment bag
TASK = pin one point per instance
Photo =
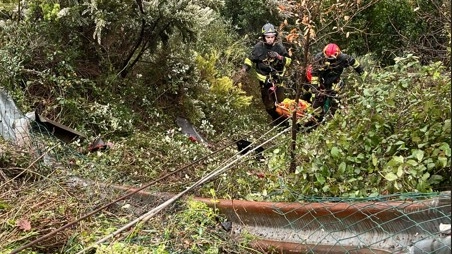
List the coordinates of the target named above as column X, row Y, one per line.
column 287, row 107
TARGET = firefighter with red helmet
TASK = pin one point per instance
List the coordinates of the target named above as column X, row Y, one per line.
column 270, row 59
column 325, row 77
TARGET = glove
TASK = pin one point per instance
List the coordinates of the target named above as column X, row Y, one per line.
column 273, row 54
column 359, row 69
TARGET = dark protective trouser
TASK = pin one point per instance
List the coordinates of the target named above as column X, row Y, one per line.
column 324, row 97
column 327, row 100
column 271, row 95
column 324, row 101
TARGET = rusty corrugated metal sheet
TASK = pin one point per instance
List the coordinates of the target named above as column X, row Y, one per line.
column 297, row 248
column 340, row 227
column 337, row 227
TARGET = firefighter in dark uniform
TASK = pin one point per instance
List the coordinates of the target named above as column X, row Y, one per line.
column 270, row 59
column 325, row 78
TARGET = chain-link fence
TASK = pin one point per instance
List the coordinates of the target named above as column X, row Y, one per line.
column 399, row 223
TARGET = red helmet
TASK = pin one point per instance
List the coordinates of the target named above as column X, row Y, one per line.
column 331, row 51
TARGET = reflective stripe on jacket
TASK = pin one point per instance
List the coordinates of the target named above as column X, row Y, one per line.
column 329, row 71
column 265, row 65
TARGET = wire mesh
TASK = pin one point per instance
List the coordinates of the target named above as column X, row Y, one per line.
column 398, row 223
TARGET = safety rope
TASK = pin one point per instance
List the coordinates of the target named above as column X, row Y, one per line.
column 205, row 179
column 130, row 193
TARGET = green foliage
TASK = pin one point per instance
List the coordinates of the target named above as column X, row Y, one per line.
column 390, row 22
column 6, row 8
column 46, row 11
column 249, row 16
column 216, row 63
column 42, row 74
column 223, row 88
column 11, row 157
column 143, row 155
column 194, row 221
column 391, row 28
column 108, row 119
column 118, row 247
column 191, row 83
column 194, row 228
column 223, row 98
column 392, row 136
column 220, row 42
column 99, row 67
column 382, row 27
column 60, row 50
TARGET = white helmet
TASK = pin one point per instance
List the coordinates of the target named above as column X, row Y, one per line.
column 269, row 29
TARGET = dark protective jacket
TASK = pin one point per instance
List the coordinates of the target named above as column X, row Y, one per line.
column 328, row 71
column 265, row 65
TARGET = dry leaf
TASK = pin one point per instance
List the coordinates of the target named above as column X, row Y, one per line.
column 312, row 33
column 24, row 224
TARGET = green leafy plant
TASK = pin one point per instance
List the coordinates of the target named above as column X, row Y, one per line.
column 392, row 136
